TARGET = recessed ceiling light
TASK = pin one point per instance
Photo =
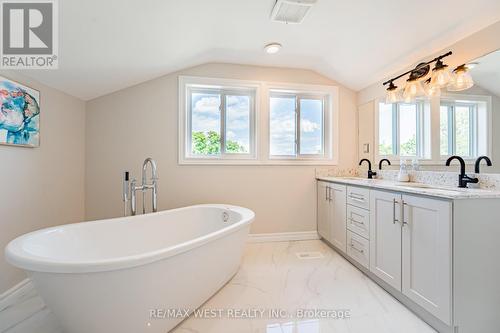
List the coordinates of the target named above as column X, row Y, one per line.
column 272, row 48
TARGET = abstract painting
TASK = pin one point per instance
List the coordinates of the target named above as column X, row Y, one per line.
column 19, row 114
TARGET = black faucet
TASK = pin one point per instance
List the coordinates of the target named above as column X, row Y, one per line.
column 383, row 160
column 463, row 179
column 478, row 161
column 370, row 172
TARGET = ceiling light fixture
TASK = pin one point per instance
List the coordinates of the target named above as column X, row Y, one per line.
column 272, row 48
column 460, row 79
column 413, row 87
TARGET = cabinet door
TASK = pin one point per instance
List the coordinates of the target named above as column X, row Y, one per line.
column 385, row 237
column 427, row 254
column 338, row 227
column 323, row 211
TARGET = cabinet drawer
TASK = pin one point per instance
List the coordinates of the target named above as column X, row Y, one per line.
column 358, row 196
column 358, row 221
column 358, row 248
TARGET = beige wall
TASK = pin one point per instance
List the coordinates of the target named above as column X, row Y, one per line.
column 125, row 127
column 42, row 186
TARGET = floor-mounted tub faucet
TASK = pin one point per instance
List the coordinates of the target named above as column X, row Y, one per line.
column 145, row 186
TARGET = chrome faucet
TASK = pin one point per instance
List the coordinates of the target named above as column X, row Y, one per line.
column 145, row 186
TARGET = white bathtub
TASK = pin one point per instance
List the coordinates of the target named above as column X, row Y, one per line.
column 107, row 276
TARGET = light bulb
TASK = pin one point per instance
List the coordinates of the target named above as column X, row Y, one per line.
column 431, row 90
column 460, row 79
column 393, row 94
column 440, row 75
column 413, row 89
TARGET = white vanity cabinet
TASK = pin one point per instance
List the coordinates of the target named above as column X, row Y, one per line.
column 385, row 237
column 338, row 220
column 323, row 210
column 410, row 248
column 427, row 254
column 331, row 213
column 405, row 242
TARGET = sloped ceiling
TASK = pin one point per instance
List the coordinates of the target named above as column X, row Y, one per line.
column 107, row 45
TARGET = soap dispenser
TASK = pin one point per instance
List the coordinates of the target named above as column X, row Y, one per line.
column 403, row 172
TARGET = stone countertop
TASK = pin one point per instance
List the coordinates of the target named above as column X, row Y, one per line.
column 451, row 193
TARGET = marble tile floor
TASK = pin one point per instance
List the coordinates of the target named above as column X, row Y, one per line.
column 273, row 278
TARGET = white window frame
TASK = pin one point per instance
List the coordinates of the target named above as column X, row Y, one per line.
column 434, row 146
column 261, row 123
column 329, row 95
column 464, row 100
column 396, row 143
column 325, row 148
column 224, row 87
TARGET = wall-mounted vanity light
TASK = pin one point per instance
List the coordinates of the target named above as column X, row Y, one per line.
column 459, row 79
column 440, row 75
column 393, row 94
column 413, row 89
column 431, row 90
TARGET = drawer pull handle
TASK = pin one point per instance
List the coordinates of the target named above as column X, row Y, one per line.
column 355, row 248
column 357, row 222
column 356, row 198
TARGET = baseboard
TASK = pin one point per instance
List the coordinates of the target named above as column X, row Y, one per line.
column 18, row 304
column 283, row 236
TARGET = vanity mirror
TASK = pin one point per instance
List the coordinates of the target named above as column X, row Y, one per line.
column 447, row 122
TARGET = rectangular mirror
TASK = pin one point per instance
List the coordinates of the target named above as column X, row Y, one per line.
column 464, row 123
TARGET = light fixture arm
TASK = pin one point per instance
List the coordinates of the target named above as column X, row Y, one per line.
column 419, row 66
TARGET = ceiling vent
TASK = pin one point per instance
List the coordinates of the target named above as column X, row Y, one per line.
column 291, row 11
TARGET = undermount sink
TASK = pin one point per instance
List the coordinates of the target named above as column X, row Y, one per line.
column 427, row 186
column 420, row 185
column 353, row 178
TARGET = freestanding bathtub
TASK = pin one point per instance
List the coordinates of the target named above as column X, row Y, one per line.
column 110, row 276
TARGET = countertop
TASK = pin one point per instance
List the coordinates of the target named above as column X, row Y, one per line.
column 452, row 193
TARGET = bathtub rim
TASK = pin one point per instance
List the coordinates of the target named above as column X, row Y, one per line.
column 17, row 256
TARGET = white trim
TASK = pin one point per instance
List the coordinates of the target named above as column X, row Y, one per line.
column 226, row 84
column 330, row 130
column 18, row 304
column 261, row 123
column 447, row 97
column 283, row 236
column 434, row 104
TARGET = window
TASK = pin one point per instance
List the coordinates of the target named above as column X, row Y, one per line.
column 463, row 128
column 297, row 126
column 220, row 122
column 226, row 121
column 403, row 130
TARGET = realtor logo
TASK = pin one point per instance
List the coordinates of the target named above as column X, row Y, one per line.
column 29, row 34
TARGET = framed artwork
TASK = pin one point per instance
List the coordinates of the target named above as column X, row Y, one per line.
column 19, row 114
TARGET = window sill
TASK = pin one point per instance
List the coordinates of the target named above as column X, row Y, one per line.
column 256, row 162
column 423, row 162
